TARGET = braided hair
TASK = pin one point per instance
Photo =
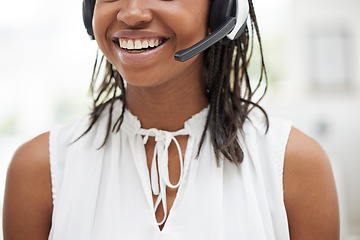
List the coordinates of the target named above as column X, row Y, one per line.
column 227, row 84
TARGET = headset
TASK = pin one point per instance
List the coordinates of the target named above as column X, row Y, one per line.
column 227, row 21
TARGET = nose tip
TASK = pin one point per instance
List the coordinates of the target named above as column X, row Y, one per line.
column 135, row 13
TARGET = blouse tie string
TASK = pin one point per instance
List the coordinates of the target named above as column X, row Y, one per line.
column 159, row 174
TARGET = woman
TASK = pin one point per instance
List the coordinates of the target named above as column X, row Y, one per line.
column 179, row 151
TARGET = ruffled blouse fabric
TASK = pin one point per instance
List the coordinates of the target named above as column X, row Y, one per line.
column 106, row 193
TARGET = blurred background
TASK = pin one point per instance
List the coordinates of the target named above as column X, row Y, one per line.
column 312, row 52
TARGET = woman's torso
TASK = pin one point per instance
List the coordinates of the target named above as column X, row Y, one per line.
column 107, row 193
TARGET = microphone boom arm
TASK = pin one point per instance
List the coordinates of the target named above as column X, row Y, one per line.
column 208, row 41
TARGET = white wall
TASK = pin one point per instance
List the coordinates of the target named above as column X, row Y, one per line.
column 46, row 61
column 329, row 113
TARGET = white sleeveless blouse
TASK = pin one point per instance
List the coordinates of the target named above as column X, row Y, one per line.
column 106, row 193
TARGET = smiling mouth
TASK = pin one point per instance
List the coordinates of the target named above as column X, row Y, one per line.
column 139, row 45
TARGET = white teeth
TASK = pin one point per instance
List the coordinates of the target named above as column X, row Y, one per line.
column 123, row 44
column 151, row 43
column 130, row 44
column 145, row 44
column 138, row 44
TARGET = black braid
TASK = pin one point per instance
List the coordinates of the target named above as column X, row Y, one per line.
column 230, row 91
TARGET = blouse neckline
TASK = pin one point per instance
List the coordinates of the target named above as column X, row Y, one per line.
column 194, row 125
column 159, row 171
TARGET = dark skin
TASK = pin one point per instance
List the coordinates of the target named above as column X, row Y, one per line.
column 28, row 198
column 164, row 100
column 309, row 190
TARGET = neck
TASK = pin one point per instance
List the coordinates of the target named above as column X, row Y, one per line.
column 168, row 106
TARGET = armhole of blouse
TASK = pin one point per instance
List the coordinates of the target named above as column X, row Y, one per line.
column 284, row 138
column 53, row 161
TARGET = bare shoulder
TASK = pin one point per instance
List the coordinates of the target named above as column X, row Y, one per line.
column 309, row 190
column 28, row 197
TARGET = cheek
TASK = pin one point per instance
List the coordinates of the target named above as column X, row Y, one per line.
column 101, row 21
column 98, row 22
column 192, row 26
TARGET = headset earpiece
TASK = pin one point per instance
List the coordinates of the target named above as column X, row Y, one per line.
column 221, row 10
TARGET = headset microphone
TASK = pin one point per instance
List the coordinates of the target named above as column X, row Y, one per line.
column 208, row 41
column 227, row 22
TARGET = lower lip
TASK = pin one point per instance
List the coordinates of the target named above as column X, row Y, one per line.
column 139, row 57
